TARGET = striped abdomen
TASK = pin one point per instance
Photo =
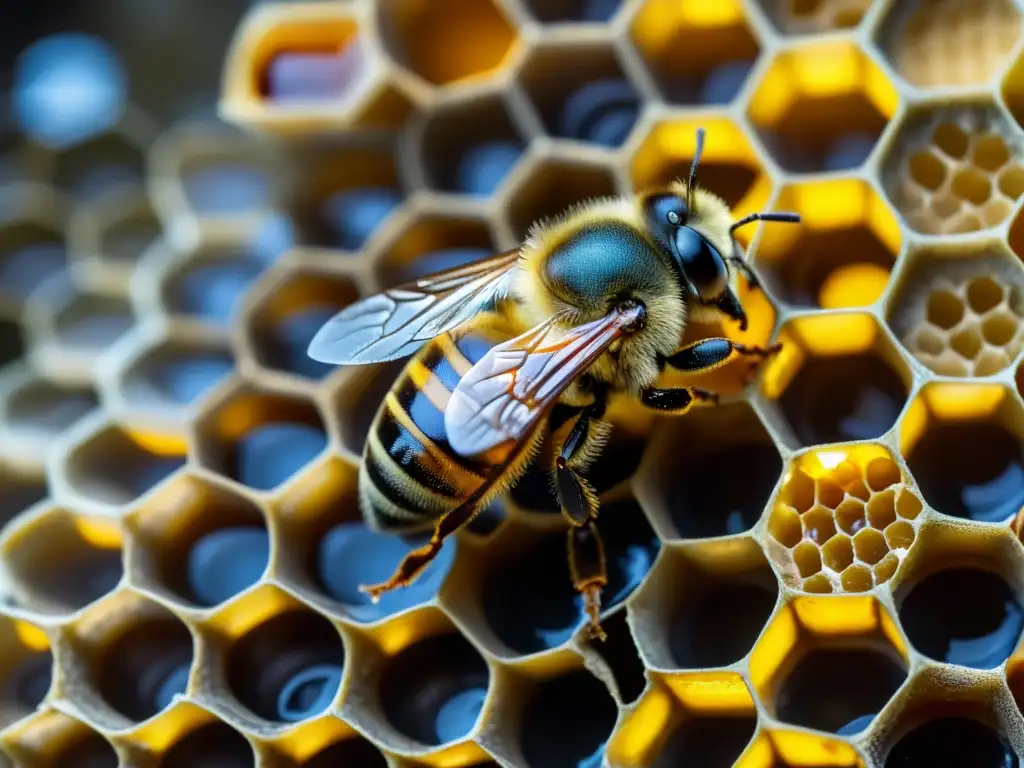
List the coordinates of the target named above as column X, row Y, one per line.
column 410, row 474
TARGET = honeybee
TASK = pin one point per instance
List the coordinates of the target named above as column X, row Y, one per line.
column 534, row 341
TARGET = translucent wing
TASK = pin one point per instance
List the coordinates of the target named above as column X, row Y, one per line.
column 397, row 322
column 503, row 396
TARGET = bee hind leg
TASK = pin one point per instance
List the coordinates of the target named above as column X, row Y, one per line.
column 416, row 561
column 578, row 501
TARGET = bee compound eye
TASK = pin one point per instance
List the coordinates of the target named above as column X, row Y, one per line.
column 701, row 262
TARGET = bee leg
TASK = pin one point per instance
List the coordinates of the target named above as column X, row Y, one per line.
column 587, row 566
column 676, row 400
column 708, row 354
column 417, row 560
column 578, row 501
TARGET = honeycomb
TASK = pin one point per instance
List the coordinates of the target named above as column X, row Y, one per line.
column 823, row 570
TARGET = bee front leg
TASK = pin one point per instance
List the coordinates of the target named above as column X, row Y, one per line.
column 579, row 504
column 676, row 400
column 709, row 354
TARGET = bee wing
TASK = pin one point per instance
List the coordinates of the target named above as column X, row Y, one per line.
column 501, row 399
column 395, row 323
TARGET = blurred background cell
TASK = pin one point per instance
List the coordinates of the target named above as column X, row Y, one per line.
column 815, row 17
column 209, row 745
column 208, row 283
column 26, row 673
column 697, row 55
column 33, row 240
column 571, row 11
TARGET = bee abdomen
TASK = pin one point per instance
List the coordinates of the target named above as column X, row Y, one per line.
column 411, row 475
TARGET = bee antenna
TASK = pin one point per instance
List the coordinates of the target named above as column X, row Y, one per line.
column 692, row 183
column 791, row 218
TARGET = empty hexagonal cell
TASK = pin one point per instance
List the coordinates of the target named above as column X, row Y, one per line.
column 687, row 481
column 951, row 740
column 920, row 40
column 173, row 369
column 695, row 57
column 965, row 454
column 261, row 439
column 552, row 187
column 283, row 665
column 704, row 608
column 729, row 165
column 113, row 465
column 26, row 671
column 132, row 654
column 53, row 738
column 829, row 667
column 953, row 169
column 580, row 92
column 35, row 410
column 619, row 652
column 702, row 719
column 198, row 542
column 433, row 242
column 285, row 315
column 837, row 378
column 468, row 145
column 327, row 551
column 958, row 312
column 210, row 745
column 842, row 252
column 19, row 490
column 32, row 241
column 822, row 106
column 88, row 549
column 342, row 190
column 293, row 68
column 433, row 690
column 114, row 231
column 208, row 285
column 351, row 751
column 101, row 163
column 523, row 601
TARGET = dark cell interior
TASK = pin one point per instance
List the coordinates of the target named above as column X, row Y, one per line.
column 86, row 574
column 707, row 742
column 620, row 652
column 356, row 752
column 215, row 745
column 952, row 741
column 567, row 723
column 722, row 623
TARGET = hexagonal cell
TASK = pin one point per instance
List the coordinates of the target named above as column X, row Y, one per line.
column 197, row 542
column 342, row 189
column 822, row 107
column 704, row 718
column 211, row 744
column 729, row 165
column 696, row 57
column 281, row 662
column 132, row 657
column 954, row 169
column 114, row 230
column 33, row 243
column 326, row 551
column 53, row 738
column 959, row 310
column 35, row 409
column 837, row 378
column 208, row 284
column 829, row 663
column 580, row 92
column 618, row 651
column 921, row 39
column 26, row 671
column 783, row 748
column 686, row 482
column 551, row 187
column 469, row 144
column 558, row 717
column 19, row 490
column 88, row 548
column 516, row 596
column 286, row 310
column 103, row 162
column 573, row 11
column 12, row 342
column 961, row 604
column 844, row 520
column 451, row 42
column 431, row 689
column 306, row 66
column 949, row 740
column 432, row 242
column 940, row 437
column 842, row 252
column 113, row 465
column 260, row 439
column 209, row 170
column 167, row 367
column 808, row 17
column 704, row 607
